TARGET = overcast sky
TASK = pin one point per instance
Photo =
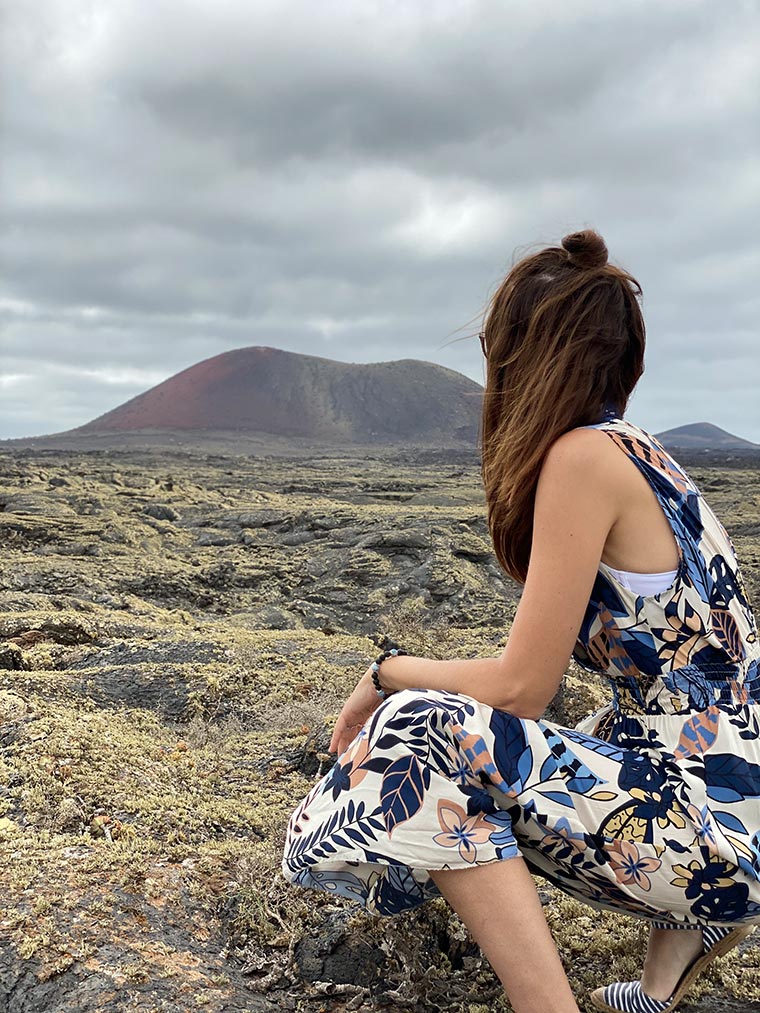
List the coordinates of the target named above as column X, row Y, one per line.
column 353, row 179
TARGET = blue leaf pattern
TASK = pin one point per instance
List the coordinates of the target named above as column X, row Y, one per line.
column 402, row 791
column 651, row 806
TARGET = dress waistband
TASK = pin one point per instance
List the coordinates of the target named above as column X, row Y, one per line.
column 695, row 686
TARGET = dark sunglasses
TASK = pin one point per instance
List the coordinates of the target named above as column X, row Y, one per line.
column 482, row 337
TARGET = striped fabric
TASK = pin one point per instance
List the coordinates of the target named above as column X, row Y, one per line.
column 629, row 997
column 712, row 934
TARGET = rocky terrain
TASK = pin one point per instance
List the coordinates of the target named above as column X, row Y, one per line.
column 178, row 631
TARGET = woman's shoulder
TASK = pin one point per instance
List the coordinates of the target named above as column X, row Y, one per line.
column 624, row 432
column 585, row 444
column 601, row 453
column 637, row 442
column 586, row 455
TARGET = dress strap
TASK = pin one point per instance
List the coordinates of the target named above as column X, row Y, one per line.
column 676, row 493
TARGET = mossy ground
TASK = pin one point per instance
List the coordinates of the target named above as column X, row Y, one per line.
column 158, row 732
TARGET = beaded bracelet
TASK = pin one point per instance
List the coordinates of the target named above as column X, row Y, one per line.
column 375, row 666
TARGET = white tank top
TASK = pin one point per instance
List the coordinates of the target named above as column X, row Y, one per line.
column 644, row 583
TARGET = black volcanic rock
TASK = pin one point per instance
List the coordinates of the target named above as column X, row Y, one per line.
column 168, row 699
column 270, row 390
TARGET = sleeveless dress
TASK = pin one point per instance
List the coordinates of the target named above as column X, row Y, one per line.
column 651, row 806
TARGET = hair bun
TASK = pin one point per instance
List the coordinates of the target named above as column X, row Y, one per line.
column 585, row 249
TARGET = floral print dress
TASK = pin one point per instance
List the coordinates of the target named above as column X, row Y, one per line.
column 651, row 806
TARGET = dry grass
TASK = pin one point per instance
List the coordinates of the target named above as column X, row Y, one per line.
column 141, row 836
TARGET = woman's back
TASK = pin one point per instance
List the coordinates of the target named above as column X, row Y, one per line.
column 651, row 805
column 701, row 625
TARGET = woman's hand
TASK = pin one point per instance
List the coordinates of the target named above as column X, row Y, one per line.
column 362, row 703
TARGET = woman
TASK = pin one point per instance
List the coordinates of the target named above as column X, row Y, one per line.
column 449, row 782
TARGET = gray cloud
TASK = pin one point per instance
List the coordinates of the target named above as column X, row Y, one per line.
column 354, row 180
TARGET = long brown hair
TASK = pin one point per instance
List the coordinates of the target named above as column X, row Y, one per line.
column 564, row 338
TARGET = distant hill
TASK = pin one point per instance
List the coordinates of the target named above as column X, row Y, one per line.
column 259, row 399
column 704, row 436
column 287, row 394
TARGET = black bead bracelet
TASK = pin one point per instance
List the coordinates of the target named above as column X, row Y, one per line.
column 375, row 666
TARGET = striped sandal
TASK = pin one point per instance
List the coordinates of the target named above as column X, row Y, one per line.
column 629, row 997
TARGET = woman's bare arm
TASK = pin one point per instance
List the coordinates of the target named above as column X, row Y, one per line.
column 577, row 502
